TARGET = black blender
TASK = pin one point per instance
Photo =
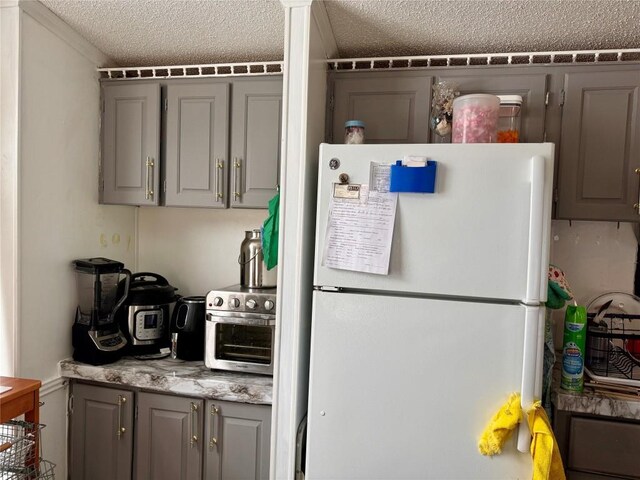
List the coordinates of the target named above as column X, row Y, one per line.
column 96, row 337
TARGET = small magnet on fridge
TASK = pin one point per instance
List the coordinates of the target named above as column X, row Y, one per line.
column 344, row 178
column 334, row 163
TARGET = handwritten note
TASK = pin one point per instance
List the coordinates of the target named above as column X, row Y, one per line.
column 359, row 233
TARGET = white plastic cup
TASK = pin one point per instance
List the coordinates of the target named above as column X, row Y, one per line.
column 475, row 118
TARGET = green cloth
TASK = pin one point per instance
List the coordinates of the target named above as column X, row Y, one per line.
column 558, row 290
column 270, row 230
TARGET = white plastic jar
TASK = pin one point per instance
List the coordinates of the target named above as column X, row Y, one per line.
column 509, row 119
column 475, row 118
column 353, row 132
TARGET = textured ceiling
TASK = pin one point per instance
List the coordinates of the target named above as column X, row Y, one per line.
column 388, row 27
column 170, row 32
column 173, row 32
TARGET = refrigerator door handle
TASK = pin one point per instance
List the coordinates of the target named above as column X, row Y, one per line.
column 536, row 231
column 533, row 317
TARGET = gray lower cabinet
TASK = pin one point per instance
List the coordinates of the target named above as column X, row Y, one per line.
column 101, row 433
column 131, row 144
column 256, row 130
column 118, row 434
column 196, row 136
column 595, row 447
column 237, row 438
column 168, row 442
column 393, row 107
column 600, row 146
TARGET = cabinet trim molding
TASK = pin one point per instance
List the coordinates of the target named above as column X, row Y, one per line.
column 549, row 59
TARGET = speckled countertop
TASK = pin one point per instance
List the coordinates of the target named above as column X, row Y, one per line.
column 177, row 377
column 595, row 403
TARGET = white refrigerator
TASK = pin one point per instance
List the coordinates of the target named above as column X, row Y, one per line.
column 409, row 367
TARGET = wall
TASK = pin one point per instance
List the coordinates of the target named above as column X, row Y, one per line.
column 596, row 257
column 59, row 216
column 196, row 249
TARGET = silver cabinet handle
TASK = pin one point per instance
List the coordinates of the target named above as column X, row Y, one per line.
column 636, row 206
column 193, row 437
column 213, row 442
column 148, row 195
column 237, row 165
column 219, row 180
column 121, row 401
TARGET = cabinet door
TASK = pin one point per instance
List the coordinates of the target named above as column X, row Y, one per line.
column 395, row 109
column 600, row 147
column 196, row 145
column 168, row 438
column 532, row 87
column 131, row 143
column 256, row 131
column 606, row 446
column 238, row 439
column 101, row 443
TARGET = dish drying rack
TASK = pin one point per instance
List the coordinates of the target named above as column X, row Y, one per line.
column 20, row 457
column 613, row 351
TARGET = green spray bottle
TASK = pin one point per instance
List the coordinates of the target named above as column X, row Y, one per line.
column 573, row 348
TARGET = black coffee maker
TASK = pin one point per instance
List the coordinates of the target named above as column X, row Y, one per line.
column 96, row 337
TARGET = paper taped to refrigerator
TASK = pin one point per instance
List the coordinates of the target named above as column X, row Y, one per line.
column 359, row 233
column 379, row 176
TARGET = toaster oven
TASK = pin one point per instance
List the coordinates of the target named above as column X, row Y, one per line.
column 240, row 329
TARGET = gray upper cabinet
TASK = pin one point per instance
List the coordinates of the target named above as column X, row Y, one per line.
column 131, row 143
column 600, row 146
column 256, row 130
column 394, row 108
column 168, row 437
column 532, row 87
column 101, row 433
column 196, row 145
column 237, row 438
column 221, row 142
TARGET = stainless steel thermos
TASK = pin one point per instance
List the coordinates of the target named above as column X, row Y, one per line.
column 253, row 270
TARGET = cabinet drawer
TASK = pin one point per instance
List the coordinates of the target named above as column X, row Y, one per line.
column 571, row 475
column 604, row 446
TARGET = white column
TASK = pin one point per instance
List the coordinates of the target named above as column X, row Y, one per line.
column 9, row 140
column 308, row 43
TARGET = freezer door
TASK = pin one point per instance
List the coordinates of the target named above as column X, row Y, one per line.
column 401, row 388
column 483, row 233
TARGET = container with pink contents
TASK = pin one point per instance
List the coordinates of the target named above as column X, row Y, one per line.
column 475, row 118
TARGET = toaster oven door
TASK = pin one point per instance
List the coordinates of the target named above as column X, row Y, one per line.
column 237, row 345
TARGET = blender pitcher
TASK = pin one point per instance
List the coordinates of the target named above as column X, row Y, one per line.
column 97, row 282
column 96, row 337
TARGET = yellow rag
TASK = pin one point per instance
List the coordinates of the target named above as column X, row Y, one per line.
column 501, row 426
column 547, row 464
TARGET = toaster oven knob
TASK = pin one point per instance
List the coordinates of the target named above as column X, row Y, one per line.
column 268, row 305
column 234, row 302
column 217, row 301
column 251, row 304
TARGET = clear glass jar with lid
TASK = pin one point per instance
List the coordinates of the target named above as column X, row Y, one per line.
column 509, row 119
column 354, row 132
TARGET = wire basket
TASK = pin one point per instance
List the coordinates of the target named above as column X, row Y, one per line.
column 613, row 348
column 19, row 452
